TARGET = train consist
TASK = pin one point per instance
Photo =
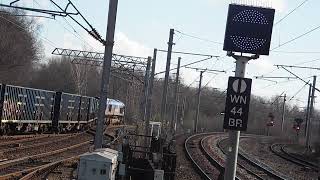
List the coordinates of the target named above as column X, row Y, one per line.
column 33, row 110
column 115, row 112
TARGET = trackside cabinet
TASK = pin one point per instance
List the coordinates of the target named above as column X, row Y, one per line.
column 98, row 165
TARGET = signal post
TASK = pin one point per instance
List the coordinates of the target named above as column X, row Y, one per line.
column 249, row 31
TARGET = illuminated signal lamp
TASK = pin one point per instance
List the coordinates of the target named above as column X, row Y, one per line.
column 249, row 29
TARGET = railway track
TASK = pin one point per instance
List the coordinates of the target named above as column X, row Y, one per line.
column 16, row 137
column 58, row 164
column 58, row 167
column 250, row 165
column 26, row 141
column 258, row 151
column 25, row 159
column 279, row 149
column 45, row 145
column 199, row 159
column 200, row 150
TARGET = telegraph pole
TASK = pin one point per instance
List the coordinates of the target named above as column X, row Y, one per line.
column 112, row 17
column 308, row 112
column 283, row 111
column 146, row 91
column 149, row 102
column 166, row 81
column 311, row 111
column 195, row 130
column 176, row 99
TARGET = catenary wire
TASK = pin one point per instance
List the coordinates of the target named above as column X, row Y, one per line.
column 293, row 10
column 17, row 25
column 299, row 91
column 298, row 37
column 199, row 38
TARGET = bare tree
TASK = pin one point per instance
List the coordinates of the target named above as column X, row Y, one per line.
column 19, row 48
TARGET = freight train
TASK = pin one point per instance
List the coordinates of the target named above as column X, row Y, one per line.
column 33, row 110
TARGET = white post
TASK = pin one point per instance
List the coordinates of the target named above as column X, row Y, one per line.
column 234, row 136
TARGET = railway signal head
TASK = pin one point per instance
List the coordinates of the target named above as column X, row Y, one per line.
column 271, row 120
column 296, row 127
column 271, row 123
column 249, row 29
column 298, row 120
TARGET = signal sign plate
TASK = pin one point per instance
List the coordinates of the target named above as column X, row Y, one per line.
column 237, row 104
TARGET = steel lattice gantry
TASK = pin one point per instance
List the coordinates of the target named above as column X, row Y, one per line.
column 129, row 65
column 132, row 66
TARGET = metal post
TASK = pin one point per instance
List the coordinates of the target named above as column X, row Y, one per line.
column 79, row 110
column 2, row 95
column 232, row 157
column 112, row 16
column 146, row 91
column 176, row 99
column 166, row 82
column 308, row 111
column 311, row 112
column 114, row 80
column 88, row 110
column 56, row 112
column 195, row 130
column 182, row 110
column 283, row 112
column 149, row 102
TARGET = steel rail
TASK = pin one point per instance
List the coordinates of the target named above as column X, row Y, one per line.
column 268, row 171
column 287, row 156
column 212, row 160
column 283, row 148
column 200, row 171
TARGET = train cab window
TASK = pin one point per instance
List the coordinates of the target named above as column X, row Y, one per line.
column 155, row 131
column 103, row 171
column 121, row 110
column 94, row 170
column 110, row 108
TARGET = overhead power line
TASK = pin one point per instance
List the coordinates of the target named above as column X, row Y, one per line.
column 93, row 32
column 293, row 10
column 199, row 38
column 205, row 70
column 298, row 37
column 270, row 77
column 297, row 52
column 305, row 62
column 277, row 98
column 185, row 65
column 193, row 81
column 300, row 67
column 299, row 91
column 283, row 67
column 209, row 81
column 188, row 53
column 20, row 27
column 63, row 12
column 74, row 32
column 26, row 15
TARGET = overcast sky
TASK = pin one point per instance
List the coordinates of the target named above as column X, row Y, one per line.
column 144, row 24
